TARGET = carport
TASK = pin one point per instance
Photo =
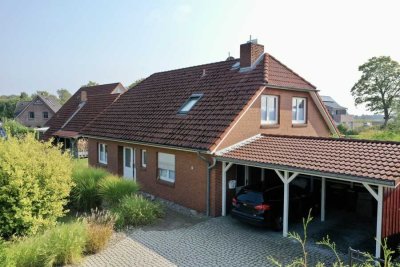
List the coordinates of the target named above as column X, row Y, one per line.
column 373, row 164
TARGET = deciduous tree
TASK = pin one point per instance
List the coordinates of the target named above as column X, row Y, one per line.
column 379, row 86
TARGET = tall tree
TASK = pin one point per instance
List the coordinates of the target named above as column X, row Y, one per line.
column 90, row 83
column 63, row 95
column 135, row 83
column 379, row 86
column 24, row 96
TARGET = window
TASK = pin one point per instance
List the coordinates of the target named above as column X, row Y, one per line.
column 269, row 109
column 144, row 158
column 45, row 115
column 166, row 167
column 103, row 153
column 31, row 115
column 298, row 110
column 189, row 104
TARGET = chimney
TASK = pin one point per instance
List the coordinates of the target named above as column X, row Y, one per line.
column 249, row 53
column 83, row 96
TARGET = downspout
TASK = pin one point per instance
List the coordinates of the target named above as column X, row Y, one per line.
column 209, row 167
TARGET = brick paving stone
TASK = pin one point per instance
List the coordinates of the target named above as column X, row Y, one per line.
column 215, row 242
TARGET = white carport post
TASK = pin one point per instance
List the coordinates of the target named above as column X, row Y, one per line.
column 323, row 197
column 225, row 168
column 379, row 198
column 286, row 179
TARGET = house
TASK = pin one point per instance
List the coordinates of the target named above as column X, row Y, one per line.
column 338, row 113
column 36, row 112
column 82, row 107
column 196, row 135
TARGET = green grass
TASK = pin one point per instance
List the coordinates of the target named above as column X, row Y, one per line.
column 85, row 194
column 112, row 189
column 136, row 210
column 63, row 244
column 382, row 135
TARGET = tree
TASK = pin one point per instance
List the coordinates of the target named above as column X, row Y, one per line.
column 63, row 95
column 43, row 93
column 135, row 83
column 24, row 96
column 90, row 83
column 35, row 182
column 379, row 86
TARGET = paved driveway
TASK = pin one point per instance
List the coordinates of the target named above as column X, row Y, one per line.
column 213, row 242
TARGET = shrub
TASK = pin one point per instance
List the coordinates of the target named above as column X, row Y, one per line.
column 112, row 189
column 136, row 210
column 100, row 226
column 63, row 244
column 35, row 182
column 5, row 259
column 16, row 129
column 85, row 195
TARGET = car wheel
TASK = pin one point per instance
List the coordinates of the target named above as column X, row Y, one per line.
column 278, row 223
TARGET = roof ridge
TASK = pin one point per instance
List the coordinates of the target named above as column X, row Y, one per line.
column 333, row 139
column 196, row 66
column 292, row 71
column 98, row 85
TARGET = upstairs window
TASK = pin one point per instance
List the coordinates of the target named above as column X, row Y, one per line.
column 269, row 109
column 31, row 115
column 166, row 167
column 103, row 153
column 299, row 110
column 189, row 104
column 45, row 115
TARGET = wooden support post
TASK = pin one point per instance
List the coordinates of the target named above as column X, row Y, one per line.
column 286, row 179
column 323, row 192
column 379, row 199
column 225, row 168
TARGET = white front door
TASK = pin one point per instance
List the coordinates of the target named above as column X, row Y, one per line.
column 129, row 163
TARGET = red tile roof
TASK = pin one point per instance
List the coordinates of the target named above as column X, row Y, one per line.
column 334, row 156
column 67, row 134
column 149, row 112
column 98, row 98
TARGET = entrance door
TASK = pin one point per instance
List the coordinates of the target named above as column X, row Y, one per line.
column 129, row 163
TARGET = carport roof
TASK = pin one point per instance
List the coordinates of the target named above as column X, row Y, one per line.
column 375, row 162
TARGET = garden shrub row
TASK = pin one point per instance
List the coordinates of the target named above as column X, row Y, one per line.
column 60, row 245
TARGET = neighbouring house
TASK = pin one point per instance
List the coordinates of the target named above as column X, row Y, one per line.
column 338, row 113
column 197, row 135
column 36, row 112
column 81, row 108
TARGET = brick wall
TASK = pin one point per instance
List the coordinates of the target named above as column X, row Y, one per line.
column 250, row 123
column 189, row 189
column 39, row 120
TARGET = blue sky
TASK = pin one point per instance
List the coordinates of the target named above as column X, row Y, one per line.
column 47, row 45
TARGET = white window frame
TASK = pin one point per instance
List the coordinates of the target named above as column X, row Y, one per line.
column 103, row 159
column 297, row 120
column 170, row 174
column 143, row 157
column 264, row 109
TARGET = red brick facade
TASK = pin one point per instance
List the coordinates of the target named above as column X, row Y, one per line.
column 190, row 184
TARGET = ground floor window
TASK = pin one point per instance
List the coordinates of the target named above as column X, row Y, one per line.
column 103, row 153
column 166, row 167
column 144, row 158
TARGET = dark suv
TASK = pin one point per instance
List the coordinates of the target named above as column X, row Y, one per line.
column 264, row 207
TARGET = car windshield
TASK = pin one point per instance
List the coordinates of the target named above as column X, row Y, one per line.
column 250, row 196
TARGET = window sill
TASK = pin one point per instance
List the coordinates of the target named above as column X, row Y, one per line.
column 102, row 164
column 269, row 126
column 143, row 168
column 299, row 125
column 166, row 183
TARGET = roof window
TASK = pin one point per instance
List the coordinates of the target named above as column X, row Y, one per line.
column 189, row 104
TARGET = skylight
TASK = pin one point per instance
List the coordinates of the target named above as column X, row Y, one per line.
column 189, row 104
